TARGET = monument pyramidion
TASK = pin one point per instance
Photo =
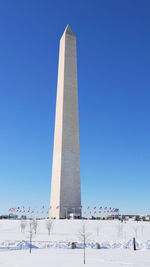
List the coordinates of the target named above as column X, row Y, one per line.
column 65, row 185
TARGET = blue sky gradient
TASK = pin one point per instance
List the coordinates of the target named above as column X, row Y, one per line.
column 113, row 49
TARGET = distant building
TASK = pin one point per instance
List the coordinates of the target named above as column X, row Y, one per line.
column 23, row 217
column 123, row 217
column 10, row 216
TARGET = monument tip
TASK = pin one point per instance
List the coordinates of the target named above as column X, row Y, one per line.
column 68, row 30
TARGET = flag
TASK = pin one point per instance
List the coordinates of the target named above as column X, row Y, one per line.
column 116, row 210
column 28, row 210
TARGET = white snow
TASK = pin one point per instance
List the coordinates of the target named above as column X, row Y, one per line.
column 115, row 238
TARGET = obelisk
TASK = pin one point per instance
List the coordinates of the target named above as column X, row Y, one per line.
column 65, row 184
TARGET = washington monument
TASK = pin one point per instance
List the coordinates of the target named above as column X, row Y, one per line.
column 65, row 185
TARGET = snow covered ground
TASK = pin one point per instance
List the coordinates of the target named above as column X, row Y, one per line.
column 62, row 257
column 114, row 237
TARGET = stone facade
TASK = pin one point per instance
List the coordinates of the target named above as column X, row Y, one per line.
column 65, row 185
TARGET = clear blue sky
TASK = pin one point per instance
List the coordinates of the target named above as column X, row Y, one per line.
column 113, row 46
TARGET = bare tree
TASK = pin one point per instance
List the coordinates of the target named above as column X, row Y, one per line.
column 135, row 228
column 97, row 228
column 83, row 235
column 35, row 225
column 32, row 230
column 142, row 230
column 119, row 230
column 49, row 225
column 31, row 233
column 23, row 225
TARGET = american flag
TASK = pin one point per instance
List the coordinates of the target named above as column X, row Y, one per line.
column 116, row 210
column 28, row 210
column 18, row 209
column 11, row 210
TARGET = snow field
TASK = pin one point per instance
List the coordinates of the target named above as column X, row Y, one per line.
column 74, row 258
column 114, row 237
